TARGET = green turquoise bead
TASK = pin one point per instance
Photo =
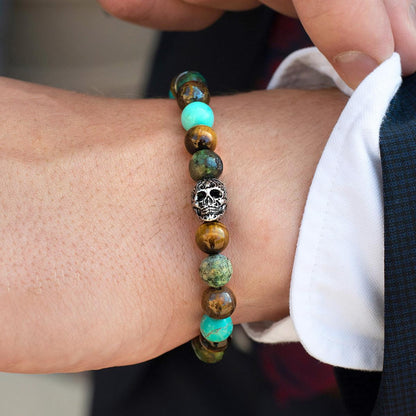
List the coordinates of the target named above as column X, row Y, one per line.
column 216, row 330
column 206, row 355
column 197, row 113
column 205, row 164
column 216, row 270
column 171, row 96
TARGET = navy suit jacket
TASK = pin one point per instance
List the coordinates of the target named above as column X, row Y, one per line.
column 393, row 392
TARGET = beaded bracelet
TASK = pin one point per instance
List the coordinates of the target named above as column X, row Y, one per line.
column 209, row 201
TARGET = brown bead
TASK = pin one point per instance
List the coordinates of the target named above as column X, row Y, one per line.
column 200, row 137
column 218, row 303
column 192, row 91
column 212, row 237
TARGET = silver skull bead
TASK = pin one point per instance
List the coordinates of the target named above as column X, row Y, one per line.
column 209, row 199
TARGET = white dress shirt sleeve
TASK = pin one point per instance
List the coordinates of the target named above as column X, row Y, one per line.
column 337, row 286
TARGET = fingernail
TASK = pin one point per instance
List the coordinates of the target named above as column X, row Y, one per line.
column 354, row 66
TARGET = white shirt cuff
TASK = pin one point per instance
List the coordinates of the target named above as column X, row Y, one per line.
column 337, row 287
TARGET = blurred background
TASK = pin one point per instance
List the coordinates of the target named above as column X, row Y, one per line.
column 73, row 44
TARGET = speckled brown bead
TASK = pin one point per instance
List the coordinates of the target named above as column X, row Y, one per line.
column 192, row 91
column 200, row 137
column 212, row 237
column 218, row 303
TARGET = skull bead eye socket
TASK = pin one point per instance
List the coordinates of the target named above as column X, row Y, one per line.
column 215, row 193
column 200, row 196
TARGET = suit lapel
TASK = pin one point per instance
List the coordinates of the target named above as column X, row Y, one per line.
column 397, row 394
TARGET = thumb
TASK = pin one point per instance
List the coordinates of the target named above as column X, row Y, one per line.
column 402, row 15
column 354, row 35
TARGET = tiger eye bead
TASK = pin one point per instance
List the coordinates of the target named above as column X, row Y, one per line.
column 218, row 303
column 200, row 137
column 192, row 91
column 184, row 77
column 206, row 355
column 212, row 237
column 205, row 164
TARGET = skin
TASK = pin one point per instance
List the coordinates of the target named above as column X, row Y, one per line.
column 99, row 266
column 355, row 35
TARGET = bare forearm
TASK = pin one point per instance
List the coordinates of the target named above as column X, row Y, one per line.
column 98, row 262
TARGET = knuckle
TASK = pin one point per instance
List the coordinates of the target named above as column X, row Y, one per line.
column 328, row 10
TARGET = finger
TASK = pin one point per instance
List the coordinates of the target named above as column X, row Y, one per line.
column 354, row 35
column 285, row 7
column 162, row 14
column 402, row 15
column 232, row 5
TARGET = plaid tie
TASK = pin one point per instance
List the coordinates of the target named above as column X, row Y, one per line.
column 293, row 374
column 286, row 35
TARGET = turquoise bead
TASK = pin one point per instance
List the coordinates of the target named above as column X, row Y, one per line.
column 216, row 330
column 216, row 270
column 196, row 114
column 171, row 96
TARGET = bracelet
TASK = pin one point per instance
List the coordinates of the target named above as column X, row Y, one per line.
column 209, row 201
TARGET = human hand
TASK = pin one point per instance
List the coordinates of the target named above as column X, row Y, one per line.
column 355, row 35
column 98, row 262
